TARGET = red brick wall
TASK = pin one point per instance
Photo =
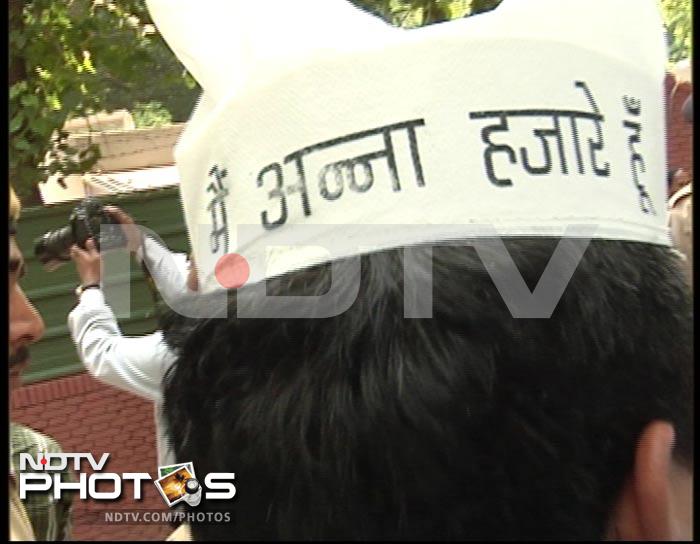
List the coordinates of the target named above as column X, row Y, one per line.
column 679, row 133
column 84, row 415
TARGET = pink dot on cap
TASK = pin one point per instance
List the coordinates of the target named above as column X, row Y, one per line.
column 232, row 271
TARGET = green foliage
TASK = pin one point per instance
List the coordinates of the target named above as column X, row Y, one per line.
column 151, row 114
column 415, row 13
column 76, row 57
column 678, row 16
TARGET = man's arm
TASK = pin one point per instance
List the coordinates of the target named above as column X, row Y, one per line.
column 134, row 364
column 169, row 270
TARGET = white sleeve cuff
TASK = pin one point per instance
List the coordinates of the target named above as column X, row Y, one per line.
column 92, row 297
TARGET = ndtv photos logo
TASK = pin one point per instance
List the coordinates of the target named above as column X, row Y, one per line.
column 176, row 483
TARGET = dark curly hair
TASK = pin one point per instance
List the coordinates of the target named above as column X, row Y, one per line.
column 469, row 425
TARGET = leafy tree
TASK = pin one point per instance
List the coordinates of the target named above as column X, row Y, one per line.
column 151, row 114
column 678, row 16
column 73, row 58
column 415, row 13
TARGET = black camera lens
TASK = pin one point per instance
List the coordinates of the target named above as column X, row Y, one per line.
column 85, row 222
column 54, row 245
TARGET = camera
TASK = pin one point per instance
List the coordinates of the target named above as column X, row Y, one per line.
column 53, row 247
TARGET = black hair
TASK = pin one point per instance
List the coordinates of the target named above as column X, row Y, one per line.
column 468, row 425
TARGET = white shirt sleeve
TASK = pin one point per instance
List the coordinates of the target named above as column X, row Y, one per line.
column 134, row 364
column 168, row 270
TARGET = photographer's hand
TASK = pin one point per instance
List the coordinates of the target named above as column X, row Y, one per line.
column 87, row 262
column 131, row 230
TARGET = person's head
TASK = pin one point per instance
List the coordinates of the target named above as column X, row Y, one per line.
column 687, row 109
column 470, row 424
column 26, row 325
column 678, row 179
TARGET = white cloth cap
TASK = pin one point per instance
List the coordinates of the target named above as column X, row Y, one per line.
column 324, row 132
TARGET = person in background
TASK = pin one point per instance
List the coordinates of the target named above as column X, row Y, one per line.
column 133, row 364
column 51, row 518
column 677, row 179
column 680, row 207
column 687, row 108
column 38, row 517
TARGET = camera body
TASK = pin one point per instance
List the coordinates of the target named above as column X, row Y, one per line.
column 53, row 247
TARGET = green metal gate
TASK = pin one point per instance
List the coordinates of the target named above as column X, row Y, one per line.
column 53, row 292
